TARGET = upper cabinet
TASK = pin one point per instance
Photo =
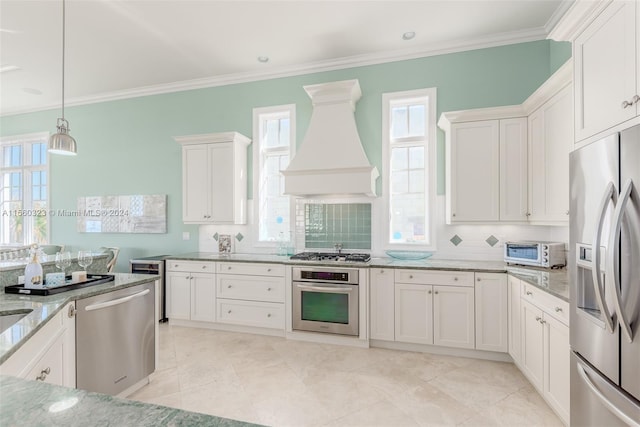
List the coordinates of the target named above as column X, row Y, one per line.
column 607, row 72
column 214, row 178
column 510, row 164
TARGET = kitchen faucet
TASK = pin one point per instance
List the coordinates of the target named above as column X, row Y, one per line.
column 338, row 247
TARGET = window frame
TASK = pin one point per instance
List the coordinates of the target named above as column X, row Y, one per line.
column 258, row 114
column 428, row 96
column 26, row 141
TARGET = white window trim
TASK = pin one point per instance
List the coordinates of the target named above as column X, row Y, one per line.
column 26, row 196
column 257, row 112
column 431, row 175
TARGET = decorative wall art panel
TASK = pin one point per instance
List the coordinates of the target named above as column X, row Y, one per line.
column 122, row 214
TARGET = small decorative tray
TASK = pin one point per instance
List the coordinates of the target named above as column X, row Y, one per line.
column 92, row 279
column 408, row 255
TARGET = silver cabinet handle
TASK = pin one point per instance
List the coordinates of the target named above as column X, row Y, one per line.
column 187, row 277
column 566, row 213
column 229, row 286
column 529, row 293
column 626, row 104
column 613, row 255
column 411, row 276
column 634, row 100
column 229, row 312
column 542, row 321
column 429, row 292
column 453, row 215
column 268, row 269
column 558, row 309
column 455, row 279
column 609, row 195
column 610, row 406
column 435, row 292
column 538, row 318
column 229, row 268
column 116, row 301
column 204, row 266
column 325, row 288
column 268, row 289
column 268, row 314
column 43, row 374
column 72, row 311
column 479, row 279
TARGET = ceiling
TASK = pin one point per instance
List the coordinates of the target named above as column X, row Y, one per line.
column 123, row 48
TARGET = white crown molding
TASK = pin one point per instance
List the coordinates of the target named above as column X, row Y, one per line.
column 576, row 18
column 494, row 40
column 561, row 78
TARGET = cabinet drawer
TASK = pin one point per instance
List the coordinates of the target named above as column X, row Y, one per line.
column 431, row 277
column 255, row 288
column 546, row 302
column 191, row 266
column 250, row 313
column 251, row 269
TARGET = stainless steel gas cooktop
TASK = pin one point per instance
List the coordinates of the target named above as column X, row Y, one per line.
column 332, row 256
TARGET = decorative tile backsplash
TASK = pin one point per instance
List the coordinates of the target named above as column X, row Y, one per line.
column 326, row 224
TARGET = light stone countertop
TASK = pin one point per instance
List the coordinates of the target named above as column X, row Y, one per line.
column 46, row 307
column 34, row 403
column 553, row 281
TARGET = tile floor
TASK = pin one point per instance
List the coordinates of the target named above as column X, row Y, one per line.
column 278, row 382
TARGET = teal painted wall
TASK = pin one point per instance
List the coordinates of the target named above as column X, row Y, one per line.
column 559, row 52
column 127, row 146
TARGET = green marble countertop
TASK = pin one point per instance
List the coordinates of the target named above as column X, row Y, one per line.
column 553, row 281
column 46, row 307
column 33, row 403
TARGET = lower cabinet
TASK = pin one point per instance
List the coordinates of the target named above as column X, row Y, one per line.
column 545, row 351
column 191, row 291
column 381, row 294
column 251, row 294
column 491, row 300
column 513, row 309
column 50, row 355
column 430, row 309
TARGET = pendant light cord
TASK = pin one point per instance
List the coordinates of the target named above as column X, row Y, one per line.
column 63, row 46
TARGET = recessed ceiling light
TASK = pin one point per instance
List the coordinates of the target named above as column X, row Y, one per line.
column 7, row 68
column 32, row 91
column 263, row 59
column 408, row 35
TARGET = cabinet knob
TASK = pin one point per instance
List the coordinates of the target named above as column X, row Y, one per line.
column 566, row 213
column 529, row 293
column 479, row 279
column 229, row 286
column 542, row 322
column 381, row 271
column 268, row 314
column 72, row 311
column 268, row 269
column 43, row 374
column 187, row 277
column 268, row 289
column 435, row 292
column 175, row 265
column 558, row 309
column 528, row 214
column 455, row 279
column 229, row 268
column 429, row 292
column 411, row 276
column 229, row 312
column 538, row 318
column 204, row 266
column 453, row 215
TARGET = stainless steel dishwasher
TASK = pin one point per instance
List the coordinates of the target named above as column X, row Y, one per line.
column 115, row 339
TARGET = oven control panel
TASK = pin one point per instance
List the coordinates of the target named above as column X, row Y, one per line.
column 327, row 274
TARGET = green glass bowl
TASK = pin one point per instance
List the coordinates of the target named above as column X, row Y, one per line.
column 408, row 255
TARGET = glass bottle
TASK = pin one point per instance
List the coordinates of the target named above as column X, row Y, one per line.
column 33, row 278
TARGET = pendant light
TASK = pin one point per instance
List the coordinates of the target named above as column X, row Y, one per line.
column 61, row 142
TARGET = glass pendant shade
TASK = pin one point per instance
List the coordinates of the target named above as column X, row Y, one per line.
column 61, row 142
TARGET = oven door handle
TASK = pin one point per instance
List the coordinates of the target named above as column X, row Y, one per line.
column 325, row 289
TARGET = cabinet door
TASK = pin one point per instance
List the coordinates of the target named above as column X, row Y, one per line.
column 515, row 341
column 222, row 183
column 203, row 297
column 474, row 162
column 557, row 365
column 550, row 141
column 605, row 70
column 491, row 312
column 381, row 294
column 195, row 184
column 414, row 313
column 50, row 367
column 513, row 169
column 532, row 344
column 453, row 316
column 178, row 295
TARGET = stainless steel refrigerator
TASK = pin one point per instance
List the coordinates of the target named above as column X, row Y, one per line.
column 604, row 262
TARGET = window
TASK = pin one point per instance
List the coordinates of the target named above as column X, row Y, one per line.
column 24, row 189
column 274, row 132
column 409, row 135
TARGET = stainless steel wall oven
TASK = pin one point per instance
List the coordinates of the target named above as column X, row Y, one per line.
column 325, row 299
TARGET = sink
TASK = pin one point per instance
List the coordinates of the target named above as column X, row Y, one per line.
column 7, row 320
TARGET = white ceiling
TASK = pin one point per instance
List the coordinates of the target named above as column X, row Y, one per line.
column 123, row 48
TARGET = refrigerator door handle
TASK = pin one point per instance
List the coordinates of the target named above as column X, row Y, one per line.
column 610, row 406
column 610, row 195
column 613, row 256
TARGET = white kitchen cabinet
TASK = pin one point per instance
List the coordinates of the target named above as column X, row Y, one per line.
column 434, row 307
column 214, row 178
column 251, row 294
column 546, row 350
column 50, row 355
column 487, row 163
column 473, row 169
column 513, row 309
column 550, row 141
column 414, row 313
column 191, row 290
column 491, row 300
column 606, row 72
column 453, row 323
column 381, row 294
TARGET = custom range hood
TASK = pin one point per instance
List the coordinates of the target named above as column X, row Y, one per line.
column 331, row 160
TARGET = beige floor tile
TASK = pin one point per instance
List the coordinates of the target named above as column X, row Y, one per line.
column 279, row 382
